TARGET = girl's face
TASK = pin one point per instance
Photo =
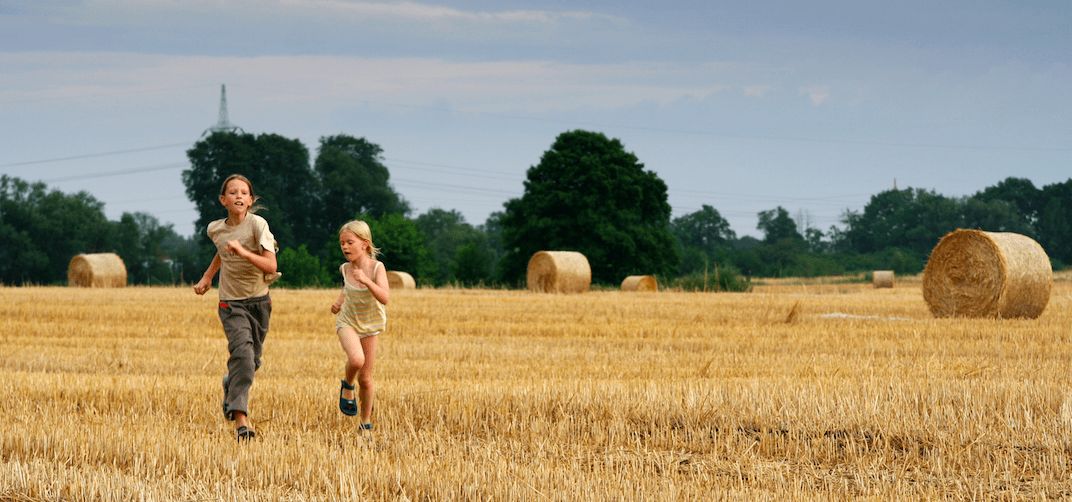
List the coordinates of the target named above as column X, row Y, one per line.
column 352, row 245
column 236, row 197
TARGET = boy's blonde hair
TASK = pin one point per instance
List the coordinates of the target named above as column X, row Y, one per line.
column 363, row 232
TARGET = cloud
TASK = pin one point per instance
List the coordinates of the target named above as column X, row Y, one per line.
column 818, row 95
column 493, row 86
column 334, row 11
column 756, row 91
column 425, row 11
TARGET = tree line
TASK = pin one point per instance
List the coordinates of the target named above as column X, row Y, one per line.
column 587, row 193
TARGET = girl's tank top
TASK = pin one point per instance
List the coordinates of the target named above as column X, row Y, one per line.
column 360, row 310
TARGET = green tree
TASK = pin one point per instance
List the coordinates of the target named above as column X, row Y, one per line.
column 444, row 232
column 814, row 237
column 182, row 258
column 402, row 246
column 354, row 181
column 994, row 215
column 777, row 225
column 705, row 229
column 913, row 219
column 303, row 270
column 149, row 250
column 1021, row 194
column 1055, row 221
column 704, row 238
column 588, row 194
column 43, row 229
column 472, row 263
column 493, row 239
column 20, row 258
column 281, row 176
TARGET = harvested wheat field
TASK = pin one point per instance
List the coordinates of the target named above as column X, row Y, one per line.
column 799, row 389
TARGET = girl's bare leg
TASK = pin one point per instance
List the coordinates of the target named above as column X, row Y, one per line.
column 355, row 357
column 364, row 377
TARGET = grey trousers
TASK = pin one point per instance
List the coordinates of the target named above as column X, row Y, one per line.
column 246, row 324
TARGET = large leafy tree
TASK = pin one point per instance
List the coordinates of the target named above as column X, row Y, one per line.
column 1021, row 195
column 782, row 246
column 492, row 233
column 705, row 229
column 589, row 194
column 444, row 233
column 152, row 252
column 913, row 219
column 995, row 215
column 282, row 179
column 354, row 181
column 701, row 235
column 42, row 229
column 1055, row 221
column 777, row 225
column 402, row 245
column 473, row 262
column 303, row 269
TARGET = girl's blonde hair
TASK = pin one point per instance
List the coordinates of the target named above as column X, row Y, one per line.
column 363, row 232
column 253, row 207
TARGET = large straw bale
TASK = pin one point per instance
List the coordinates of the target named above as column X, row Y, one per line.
column 882, row 279
column 972, row 273
column 400, row 280
column 640, row 283
column 559, row 272
column 97, row 270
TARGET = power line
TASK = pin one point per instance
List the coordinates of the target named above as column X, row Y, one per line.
column 750, row 137
column 67, row 96
column 456, row 188
column 117, row 173
column 512, row 176
column 93, row 155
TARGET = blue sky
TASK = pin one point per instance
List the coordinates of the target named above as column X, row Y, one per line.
column 743, row 106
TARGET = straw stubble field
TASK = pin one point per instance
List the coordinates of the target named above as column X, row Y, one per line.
column 798, row 390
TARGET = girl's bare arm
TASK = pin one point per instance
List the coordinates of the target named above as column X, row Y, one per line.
column 337, row 306
column 378, row 286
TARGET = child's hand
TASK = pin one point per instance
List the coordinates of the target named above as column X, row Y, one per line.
column 361, row 276
column 202, row 286
column 235, row 247
column 335, row 308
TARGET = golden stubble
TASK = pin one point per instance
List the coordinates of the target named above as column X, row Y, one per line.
column 800, row 389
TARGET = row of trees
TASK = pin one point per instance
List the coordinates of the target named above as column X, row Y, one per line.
column 587, row 193
column 42, row 229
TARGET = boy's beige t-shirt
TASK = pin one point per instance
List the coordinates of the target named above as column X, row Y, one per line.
column 239, row 279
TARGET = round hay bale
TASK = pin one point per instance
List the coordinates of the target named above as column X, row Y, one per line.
column 882, row 279
column 972, row 273
column 97, row 270
column 640, row 283
column 558, row 272
column 400, row 280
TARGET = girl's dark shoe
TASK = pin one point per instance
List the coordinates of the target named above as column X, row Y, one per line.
column 348, row 407
column 367, row 426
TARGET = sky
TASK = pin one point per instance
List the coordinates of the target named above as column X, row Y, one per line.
column 744, row 106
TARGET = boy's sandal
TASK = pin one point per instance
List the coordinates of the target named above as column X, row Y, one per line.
column 367, row 426
column 245, row 433
column 348, row 407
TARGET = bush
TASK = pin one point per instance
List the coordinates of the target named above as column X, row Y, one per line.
column 301, row 269
column 725, row 278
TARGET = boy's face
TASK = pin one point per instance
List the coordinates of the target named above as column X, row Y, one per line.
column 236, row 197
